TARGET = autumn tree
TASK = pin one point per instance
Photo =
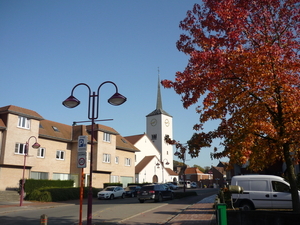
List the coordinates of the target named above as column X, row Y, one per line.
column 243, row 70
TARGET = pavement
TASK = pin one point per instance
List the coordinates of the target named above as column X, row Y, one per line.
column 201, row 213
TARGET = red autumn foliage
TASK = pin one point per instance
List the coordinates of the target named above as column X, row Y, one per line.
column 244, row 66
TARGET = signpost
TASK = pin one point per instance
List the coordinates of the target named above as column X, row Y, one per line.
column 81, row 163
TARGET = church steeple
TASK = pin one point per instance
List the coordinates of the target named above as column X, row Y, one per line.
column 159, row 110
column 158, row 100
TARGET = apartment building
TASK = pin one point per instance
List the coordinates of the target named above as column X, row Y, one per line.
column 57, row 156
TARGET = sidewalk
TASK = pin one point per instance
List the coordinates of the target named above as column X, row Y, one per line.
column 199, row 213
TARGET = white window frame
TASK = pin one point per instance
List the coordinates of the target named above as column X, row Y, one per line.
column 117, row 160
column 127, row 161
column 20, row 148
column 106, row 137
column 41, row 152
column 23, row 122
column 114, row 179
column 106, row 158
column 60, row 155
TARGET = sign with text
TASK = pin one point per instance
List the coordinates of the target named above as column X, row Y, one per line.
column 82, row 143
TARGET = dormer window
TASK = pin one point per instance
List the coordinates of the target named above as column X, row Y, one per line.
column 24, row 122
column 106, row 137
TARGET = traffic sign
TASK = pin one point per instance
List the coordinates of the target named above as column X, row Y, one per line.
column 82, row 143
column 81, row 160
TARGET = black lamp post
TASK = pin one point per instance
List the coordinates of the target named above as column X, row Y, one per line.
column 36, row 146
column 93, row 113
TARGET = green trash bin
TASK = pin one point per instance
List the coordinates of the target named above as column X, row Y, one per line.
column 221, row 214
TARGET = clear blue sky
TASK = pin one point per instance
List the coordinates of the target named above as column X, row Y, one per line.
column 47, row 47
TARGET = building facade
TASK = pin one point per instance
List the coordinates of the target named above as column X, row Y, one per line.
column 57, row 156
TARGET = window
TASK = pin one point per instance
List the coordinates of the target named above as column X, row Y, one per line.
column 60, row 155
column 114, row 179
column 117, row 160
column 280, row 187
column 41, row 153
column 39, row 175
column 55, row 128
column 106, row 137
column 24, row 122
column 153, row 136
column 127, row 161
column 106, row 158
column 20, row 148
column 61, row 176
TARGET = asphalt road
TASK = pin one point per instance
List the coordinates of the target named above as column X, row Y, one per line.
column 121, row 211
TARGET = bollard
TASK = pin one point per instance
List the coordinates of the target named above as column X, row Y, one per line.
column 44, row 219
column 221, row 214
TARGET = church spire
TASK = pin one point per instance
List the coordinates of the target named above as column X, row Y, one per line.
column 158, row 109
column 158, row 100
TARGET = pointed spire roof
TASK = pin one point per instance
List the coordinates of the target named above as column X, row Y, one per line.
column 159, row 110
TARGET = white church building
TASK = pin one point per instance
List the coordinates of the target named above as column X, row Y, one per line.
column 154, row 162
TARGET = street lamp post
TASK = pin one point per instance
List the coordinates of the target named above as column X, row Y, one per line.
column 162, row 169
column 182, row 156
column 93, row 113
column 35, row 145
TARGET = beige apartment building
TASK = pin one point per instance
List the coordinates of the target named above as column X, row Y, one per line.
column 57, row 157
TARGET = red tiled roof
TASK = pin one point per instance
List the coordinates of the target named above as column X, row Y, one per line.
column 192, row 170
column 2, row 125
column 143, row 163
column 134, row 138
column 47, row 130
column 124, row 144
column 20, row 111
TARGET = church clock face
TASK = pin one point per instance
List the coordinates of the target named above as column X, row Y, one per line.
column 153, row 122
column 167, row 122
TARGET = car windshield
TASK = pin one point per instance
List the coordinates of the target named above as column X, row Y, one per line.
column 147, row 188
column 108, row 189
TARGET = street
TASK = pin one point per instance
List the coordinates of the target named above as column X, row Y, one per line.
column 122, row 211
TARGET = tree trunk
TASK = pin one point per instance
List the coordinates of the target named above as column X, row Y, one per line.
column 292, row 178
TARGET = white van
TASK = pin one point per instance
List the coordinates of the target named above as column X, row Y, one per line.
column 262, row 191
column 187, row 184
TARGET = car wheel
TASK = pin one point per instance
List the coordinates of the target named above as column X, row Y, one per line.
column 123, row 195
column 112, row 197
column 172, row 196
column 141, row 200
column 246, row 206
column 159, row 198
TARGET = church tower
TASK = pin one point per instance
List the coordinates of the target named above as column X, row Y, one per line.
column 159, row 124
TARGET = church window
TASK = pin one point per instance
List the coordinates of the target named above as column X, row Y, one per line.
column 153, row 136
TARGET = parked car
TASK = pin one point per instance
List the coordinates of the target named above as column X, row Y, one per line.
column 131, row 191
column 262, row 191
column 172, row 186
column 156, row 192
column 194, row 185
column 111, row 192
